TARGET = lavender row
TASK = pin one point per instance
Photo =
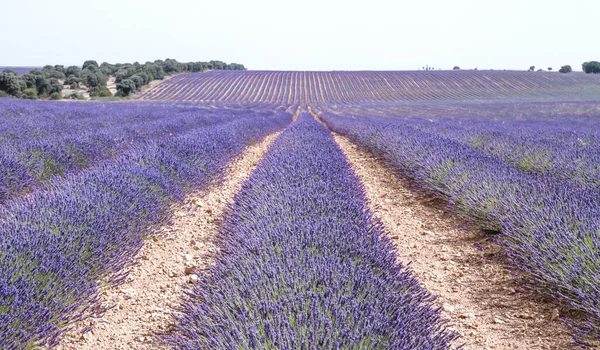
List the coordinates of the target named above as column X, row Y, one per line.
column 551, row 229
column 57, row 248
column 556, row 139
column 304, row 265
column 41, row 141
column 343, row 87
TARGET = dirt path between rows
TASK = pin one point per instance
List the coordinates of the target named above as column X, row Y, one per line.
column 143, row 306
column 459, row 265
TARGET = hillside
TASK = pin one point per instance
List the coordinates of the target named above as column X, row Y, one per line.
column 374, row 86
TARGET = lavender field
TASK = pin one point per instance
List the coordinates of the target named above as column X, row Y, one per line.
column 302, row 262
column 372, row 86
column 530, row 173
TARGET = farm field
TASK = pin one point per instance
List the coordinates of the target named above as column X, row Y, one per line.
column 372, row 86
column 307, row 245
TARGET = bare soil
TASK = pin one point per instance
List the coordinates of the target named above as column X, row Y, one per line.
column 111, row 84
column 462, row 267
column 165, row 264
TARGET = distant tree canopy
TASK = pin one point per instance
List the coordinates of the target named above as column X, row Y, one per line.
column 456, row 68
column 9, row 83
column 591, row 67
column 130, row 77
column 140, row 75
column 532, row 68
column 565, row 69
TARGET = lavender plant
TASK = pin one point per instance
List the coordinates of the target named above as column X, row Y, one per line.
column 41, row 141
column 304, row 265
column 551, row 224
column 58, row 247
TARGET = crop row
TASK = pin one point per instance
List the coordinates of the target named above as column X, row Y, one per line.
column 304, row 265
column 551, row 227
column 39, row 142
column 371, row 86
column 558, row 140
column 59, row 247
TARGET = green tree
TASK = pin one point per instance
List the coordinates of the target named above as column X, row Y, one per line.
column 591, row 67
column 138, row 81
column 456, row 68
column 126, row 87
column 50, row 72
column 9, row 83
column 51, row 87
column 90, row 64
column 73, row 71
column 532, row 68
column 94, row 79
column 565, row 69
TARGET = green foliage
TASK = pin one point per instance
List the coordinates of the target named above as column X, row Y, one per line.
column 50, row 72
column 90, row 64
column 9, row 83
column 72, row 80
column 48, row 87
column 126, row 87
column 100, row 92
column 8, row 70
column 130, row 77
column 532, row 68
column 4, row 94
column 94, row 78
column 456, row 68
column 30, row 80
column 591, row 67
column 30, row 94
column 73, row 71
column 565, row 69
column 55, row 96
column 138, row 81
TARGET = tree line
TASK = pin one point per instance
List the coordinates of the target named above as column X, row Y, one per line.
column 48, row 82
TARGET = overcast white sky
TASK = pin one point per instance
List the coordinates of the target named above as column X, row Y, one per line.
column 304, row 35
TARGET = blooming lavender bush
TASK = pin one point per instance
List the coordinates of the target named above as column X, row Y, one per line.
column 304, row 265
column 58, row 247
column 40, row 141
column 551, row 223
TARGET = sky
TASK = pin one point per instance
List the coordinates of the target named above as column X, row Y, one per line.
column 304, row 35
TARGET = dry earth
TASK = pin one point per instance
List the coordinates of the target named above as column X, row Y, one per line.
column 459, row 265
column 143, row 305
column 111, row 84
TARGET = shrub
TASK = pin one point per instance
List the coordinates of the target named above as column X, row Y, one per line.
column 30, row 94
column 55, row 96
column 100, row 92
column 565, row 69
